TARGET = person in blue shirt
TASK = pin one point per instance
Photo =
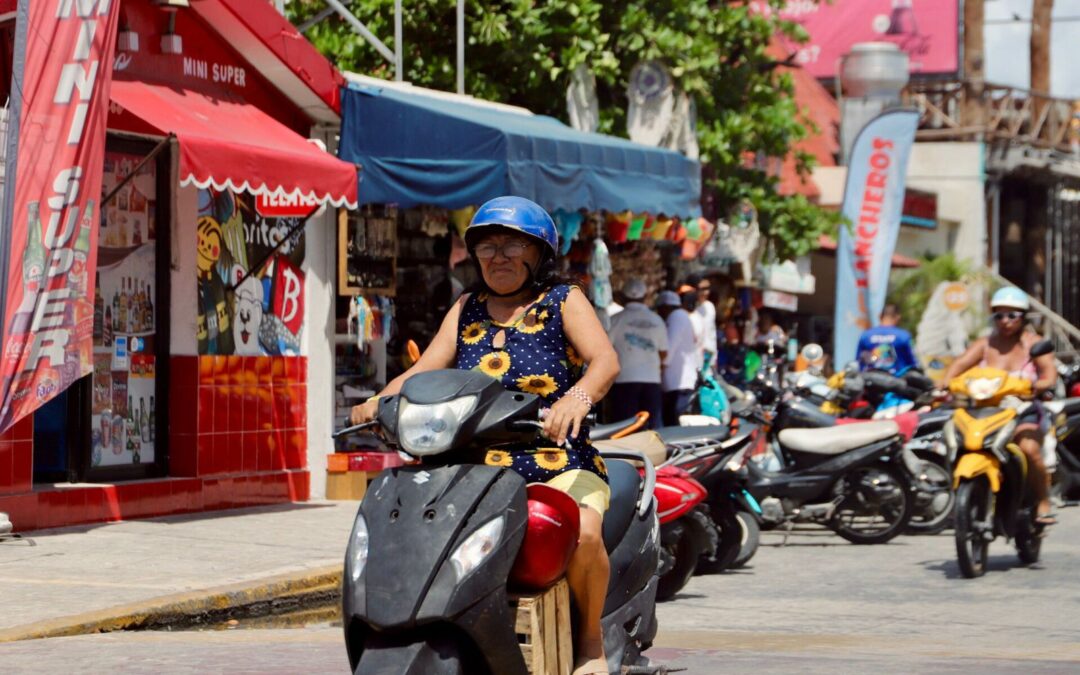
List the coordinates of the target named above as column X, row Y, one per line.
column 886, row 346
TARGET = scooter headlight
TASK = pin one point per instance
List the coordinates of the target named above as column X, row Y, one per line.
column 478, row 546
column 428, row 429
column 358, row 548
column 982, row 388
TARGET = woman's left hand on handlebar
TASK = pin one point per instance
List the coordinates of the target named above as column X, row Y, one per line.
column 365, row 412
column 565, row 417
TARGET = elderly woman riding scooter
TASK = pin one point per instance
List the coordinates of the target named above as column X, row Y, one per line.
column 534, row 332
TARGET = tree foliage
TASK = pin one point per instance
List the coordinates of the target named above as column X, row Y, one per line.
column 911, row 290
column 522, row 51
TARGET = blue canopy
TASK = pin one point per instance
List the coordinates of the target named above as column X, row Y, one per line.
column 415, row 149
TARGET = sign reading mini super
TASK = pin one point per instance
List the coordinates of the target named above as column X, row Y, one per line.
column 873, row 198
column 56, row 142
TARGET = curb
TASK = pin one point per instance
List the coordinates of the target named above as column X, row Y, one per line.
column 255, row 598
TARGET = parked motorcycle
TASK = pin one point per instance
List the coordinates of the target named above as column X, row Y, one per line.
column 432, row 549
column 711, row 454
column 1066, row 420
column 855, row 479
column 686, row 531
column 992, row 494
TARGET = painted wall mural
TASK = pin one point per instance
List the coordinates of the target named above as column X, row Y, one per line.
column 251, row 296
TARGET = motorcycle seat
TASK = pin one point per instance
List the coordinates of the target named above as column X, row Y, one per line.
column 1069, row 406
column 624, row 481
column 647, row 443
column 837, row 440
column 699, row 434
column 605, row 431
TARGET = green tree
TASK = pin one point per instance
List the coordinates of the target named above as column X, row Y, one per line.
column 911, row 290
column 522, row 51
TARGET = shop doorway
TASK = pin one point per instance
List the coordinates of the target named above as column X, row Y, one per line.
column 113, row 424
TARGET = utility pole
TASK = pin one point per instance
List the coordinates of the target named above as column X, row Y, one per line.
column 973, row 109
column 461, row 46
column 1040, row 45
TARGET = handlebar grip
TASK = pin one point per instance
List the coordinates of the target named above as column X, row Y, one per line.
column 353, row 429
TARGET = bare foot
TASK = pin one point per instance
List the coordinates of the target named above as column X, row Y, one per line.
column 590, row 666
column 590, row 658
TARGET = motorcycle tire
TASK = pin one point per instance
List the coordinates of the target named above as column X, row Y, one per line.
column 1028, row 539
column 725, row 517
column 972, row 506
column 751, row 537
column 895, row 528
column 685, row 547
column 927, row 519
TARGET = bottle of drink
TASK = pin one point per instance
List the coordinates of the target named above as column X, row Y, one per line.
column 99, row 309
column 34, row 254
column 133, row 415
column 144, row 421
column 124, row 316
column 82, row 243
column 107, row 329
column 151, row 420
column 116, row 310
column 149, row 308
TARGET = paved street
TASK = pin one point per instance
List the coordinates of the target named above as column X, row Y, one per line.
column 816, row 605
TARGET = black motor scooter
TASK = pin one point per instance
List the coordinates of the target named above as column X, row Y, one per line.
column 430, row 553
column 855, row 479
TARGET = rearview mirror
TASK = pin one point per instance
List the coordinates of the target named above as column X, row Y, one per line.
column 1041, row 348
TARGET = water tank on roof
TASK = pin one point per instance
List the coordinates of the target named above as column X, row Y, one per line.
column 874, row 70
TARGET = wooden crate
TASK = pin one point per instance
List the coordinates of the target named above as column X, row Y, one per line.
column 543, row 628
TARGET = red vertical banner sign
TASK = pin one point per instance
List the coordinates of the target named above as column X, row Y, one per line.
column 60, row 98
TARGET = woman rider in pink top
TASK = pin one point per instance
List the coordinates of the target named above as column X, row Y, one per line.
column 1007, row 349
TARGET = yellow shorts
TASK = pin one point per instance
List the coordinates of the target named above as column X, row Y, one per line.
column 585, row 487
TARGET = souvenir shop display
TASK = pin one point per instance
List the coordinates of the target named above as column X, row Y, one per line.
column 367, row 251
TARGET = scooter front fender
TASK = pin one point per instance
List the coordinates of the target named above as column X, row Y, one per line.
column 974, row 464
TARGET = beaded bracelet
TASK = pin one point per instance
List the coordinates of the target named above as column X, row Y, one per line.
column 581, row 395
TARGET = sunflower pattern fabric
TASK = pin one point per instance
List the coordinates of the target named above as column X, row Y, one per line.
column 535, row 357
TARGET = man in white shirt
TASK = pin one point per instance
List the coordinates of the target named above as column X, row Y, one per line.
column 706, row 310
column 640, row 339
column 680, row 367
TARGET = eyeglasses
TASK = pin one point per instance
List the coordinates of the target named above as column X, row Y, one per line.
column 1011, row 316
column 511, row 249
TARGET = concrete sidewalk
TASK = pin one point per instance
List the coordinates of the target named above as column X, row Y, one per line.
column 101, row 577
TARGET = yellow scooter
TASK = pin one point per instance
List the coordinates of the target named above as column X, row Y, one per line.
column 990, row 474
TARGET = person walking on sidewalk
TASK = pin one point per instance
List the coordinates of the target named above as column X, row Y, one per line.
column 680, row 366
column 640, row 339
column 706, row 311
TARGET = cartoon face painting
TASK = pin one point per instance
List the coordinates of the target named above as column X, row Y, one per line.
column 209, row 245
column 248, row 317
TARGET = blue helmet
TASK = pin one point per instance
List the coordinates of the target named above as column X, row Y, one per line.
column 1011, row 296
column 515, row 213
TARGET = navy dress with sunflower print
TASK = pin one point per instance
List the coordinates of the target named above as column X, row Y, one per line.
column 535, row 358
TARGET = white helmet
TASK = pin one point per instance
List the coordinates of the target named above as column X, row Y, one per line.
column 1011, row 296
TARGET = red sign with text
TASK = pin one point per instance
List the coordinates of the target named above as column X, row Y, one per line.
column 928, row 30
column 49, row 314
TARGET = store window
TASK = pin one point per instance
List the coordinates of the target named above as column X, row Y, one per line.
column 110, row 425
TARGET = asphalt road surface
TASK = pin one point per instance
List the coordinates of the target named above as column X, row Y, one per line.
column 817, row 604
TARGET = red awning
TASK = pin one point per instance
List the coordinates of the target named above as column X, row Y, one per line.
column 229, row 144
column 826, row 243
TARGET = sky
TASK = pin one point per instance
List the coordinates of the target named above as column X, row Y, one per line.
column 1006, row 45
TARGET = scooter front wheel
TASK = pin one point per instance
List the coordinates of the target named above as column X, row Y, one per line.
column 730, row 540
column 751, row 537
column 685, row 544
column 972, row 510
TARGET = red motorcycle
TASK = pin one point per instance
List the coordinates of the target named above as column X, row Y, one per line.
column 686, row 530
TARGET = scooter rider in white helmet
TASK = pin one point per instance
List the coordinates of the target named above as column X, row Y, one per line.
column 1007, row 349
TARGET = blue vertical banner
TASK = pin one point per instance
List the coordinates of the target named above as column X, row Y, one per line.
column 873, row 200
